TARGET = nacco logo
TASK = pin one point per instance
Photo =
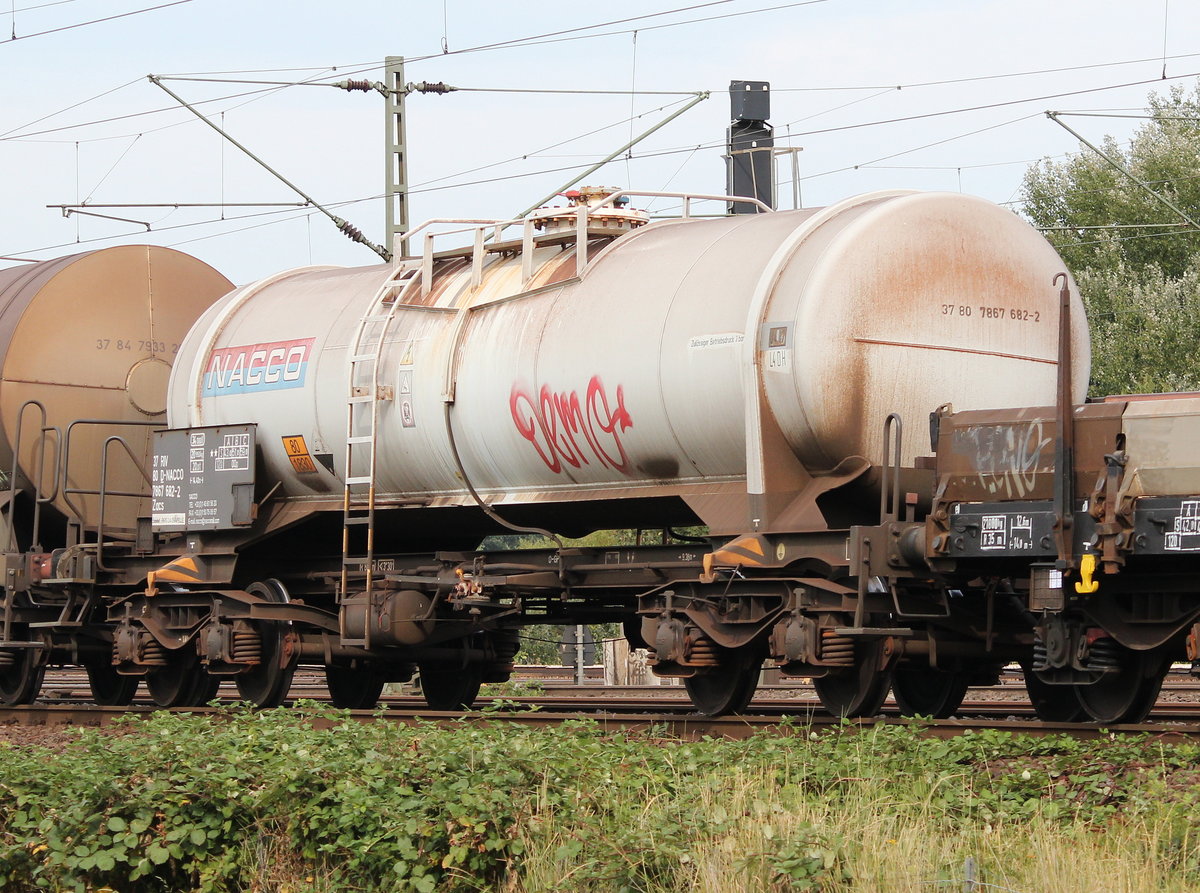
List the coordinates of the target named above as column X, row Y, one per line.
column 271, row 366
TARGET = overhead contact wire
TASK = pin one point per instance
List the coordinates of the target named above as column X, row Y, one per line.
column 121, row 15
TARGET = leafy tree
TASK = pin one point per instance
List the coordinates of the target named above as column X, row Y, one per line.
column 1137, row 261
column 1068, row 197
column 1145, row 331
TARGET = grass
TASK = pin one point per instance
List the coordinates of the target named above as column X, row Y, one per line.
column 264, row 802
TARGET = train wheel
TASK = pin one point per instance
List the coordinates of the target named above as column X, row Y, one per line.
column 204, row 689
column 1052, row 703
column 923, row 691
column 110, row 688
column 182, row 682
column 450, row 687
column 353, row 689
column 730, row 688
column 20, row 673
column 858, row 690
column 1127, row 695
column 267, row 684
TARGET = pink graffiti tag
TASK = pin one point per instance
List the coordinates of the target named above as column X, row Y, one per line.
column 564, row 429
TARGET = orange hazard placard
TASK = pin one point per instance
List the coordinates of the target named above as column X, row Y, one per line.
column 297, row 453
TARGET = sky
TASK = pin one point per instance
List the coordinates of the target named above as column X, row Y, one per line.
column 924, row 94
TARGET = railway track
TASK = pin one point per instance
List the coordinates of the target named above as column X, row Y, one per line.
column 554, row 692
column 662, row 710
column 667, row 724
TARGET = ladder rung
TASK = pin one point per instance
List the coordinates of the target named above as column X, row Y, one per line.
column 360, row 438
column 355, row 562
column 359, row 479
column 363, row 358
column 358, row 519
column 361, row 398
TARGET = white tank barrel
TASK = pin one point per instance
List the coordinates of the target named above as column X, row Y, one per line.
column 633, row 378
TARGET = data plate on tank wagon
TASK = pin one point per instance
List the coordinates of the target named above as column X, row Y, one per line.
column 1165, row 525
column 203, row 478
column 1006, row 529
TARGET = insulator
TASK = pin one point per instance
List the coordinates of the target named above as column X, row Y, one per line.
column 351, row 231
column 363, row 86
column 426, row 87
column 247, row 648
column 153, row 654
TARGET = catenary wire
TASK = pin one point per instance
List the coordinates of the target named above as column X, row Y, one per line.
column 10, row 136
column 70, row 107
column 693, row 149
column 559, row 92
column 8, row 12
column 122, row 15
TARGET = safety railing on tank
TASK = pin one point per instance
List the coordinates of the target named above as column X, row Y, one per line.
column 60, row 469
column 39, row 498
column 103, row 492
column 487, row 236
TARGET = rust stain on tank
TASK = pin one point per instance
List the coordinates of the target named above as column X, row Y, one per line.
column 983, row 353
column 663, row 468
column 444, row 272
column 560, row 269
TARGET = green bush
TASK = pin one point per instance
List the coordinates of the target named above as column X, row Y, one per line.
column 309, row 800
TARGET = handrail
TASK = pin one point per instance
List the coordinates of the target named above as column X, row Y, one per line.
column 38, row 498
column 890, row 470
column 111, row 439
column 66, row 464
column 478, row 226
column 686, row 197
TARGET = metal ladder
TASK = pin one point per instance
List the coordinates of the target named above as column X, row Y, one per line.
column 362, row 414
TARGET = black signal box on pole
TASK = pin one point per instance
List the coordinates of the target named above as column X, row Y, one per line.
column 749, row 163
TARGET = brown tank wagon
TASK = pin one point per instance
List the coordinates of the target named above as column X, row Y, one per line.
column 93, row 335
column 86, row 348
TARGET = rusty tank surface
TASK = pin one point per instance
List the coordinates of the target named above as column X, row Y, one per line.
column 91, row 339
column 726, row 363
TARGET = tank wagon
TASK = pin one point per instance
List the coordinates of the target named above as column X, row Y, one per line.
column 86, row 347
column 1077, row 529
column 340, row 441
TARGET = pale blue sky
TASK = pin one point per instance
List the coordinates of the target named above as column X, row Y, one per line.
column 330, row 142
